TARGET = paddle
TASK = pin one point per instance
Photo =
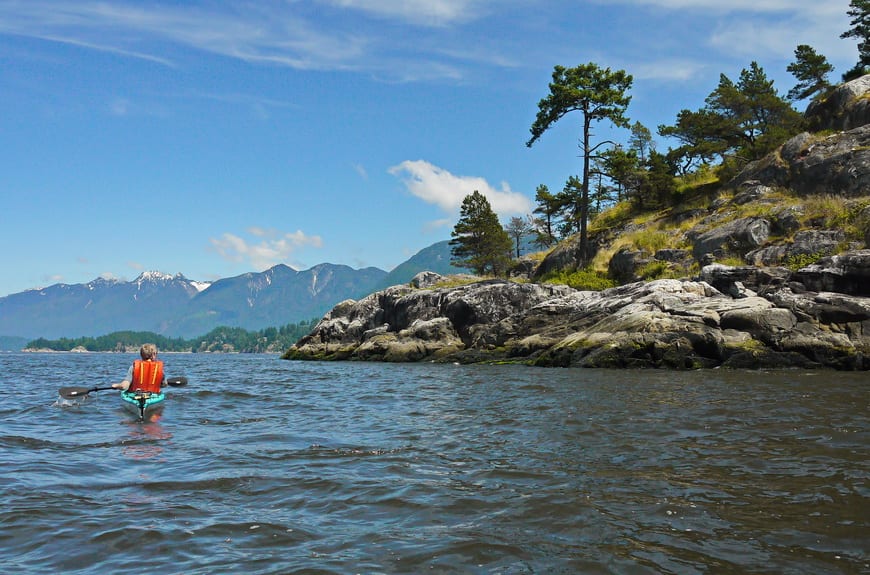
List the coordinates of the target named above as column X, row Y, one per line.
column 176, row 381
column 74, row 392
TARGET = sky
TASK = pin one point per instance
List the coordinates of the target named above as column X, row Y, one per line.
column 216, row 138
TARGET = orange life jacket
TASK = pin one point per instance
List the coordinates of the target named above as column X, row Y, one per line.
column 147, row 375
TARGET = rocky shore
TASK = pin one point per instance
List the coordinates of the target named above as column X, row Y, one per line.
column 802, row 299
column 730, row 317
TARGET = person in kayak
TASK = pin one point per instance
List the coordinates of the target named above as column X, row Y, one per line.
column 145, row 374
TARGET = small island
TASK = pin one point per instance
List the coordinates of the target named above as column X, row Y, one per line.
column 767, row 266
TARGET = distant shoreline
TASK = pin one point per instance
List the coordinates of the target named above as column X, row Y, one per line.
column 80, row 351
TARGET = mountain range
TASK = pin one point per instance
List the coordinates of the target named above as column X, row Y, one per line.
column 176, row 306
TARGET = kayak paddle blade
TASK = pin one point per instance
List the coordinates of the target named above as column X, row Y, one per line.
column 73, row 392
column 176, row 381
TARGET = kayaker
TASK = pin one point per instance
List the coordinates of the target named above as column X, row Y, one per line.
column 145, row 374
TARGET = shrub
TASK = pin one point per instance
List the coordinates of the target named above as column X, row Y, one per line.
column 653, row 270
column 797, row 261
column 732, row 261
column 584, row 279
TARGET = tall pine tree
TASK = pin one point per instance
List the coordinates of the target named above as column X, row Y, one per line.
column 598, row 94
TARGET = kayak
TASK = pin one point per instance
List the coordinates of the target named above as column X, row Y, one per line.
column 142, row 404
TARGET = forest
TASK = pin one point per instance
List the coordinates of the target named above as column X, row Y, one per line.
column 218, row 340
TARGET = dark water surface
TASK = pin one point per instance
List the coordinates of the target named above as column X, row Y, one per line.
column 266, row 466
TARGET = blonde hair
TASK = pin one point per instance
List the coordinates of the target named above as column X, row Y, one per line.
column 148, row 351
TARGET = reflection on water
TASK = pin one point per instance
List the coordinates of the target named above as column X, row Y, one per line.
column 145, row 440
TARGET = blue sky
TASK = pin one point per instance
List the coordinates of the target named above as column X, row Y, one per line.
column 216, row 138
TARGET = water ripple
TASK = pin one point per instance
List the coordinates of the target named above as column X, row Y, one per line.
column 268, row 467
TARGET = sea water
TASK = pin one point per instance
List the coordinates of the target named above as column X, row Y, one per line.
column 264, row 466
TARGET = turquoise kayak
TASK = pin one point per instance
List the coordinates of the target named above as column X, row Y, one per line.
column 142, row 404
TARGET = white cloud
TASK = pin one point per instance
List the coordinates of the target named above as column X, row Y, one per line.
column 273, row 247
column 348, row 35
column 735, row 5
column 752, row 38
column 437, row 186
column 678, row 70
column 266, row 33
column 760, row 30
column 420, row 12
column 361, row 170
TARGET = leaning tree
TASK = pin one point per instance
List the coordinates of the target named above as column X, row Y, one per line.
column 596, row 93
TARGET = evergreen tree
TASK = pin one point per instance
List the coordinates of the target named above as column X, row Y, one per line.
column 602, row 193
column 747, row 118
column 753, row 112
column 621, row 167
column 657, row 185
column 811, row 70
column 572, row 202
column 700, row 134
column 598, row 94
column 641, row 141
column 859, row 11
column 549, row 206
column 479, row 241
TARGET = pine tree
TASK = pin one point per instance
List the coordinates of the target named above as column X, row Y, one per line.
column 747, row 119
column 549, row 206
column 479, row 241
column 641, row 141
column 811, row 70
column 859, row 11
column 598, row 94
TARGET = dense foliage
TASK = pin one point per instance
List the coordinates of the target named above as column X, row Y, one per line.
column 741, row 121
column 221, row 339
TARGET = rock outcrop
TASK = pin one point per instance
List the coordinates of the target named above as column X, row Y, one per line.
column 847, row 107
column 754, row 320
column 813, row 164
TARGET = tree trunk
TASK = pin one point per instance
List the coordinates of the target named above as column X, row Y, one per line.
column 584, row 199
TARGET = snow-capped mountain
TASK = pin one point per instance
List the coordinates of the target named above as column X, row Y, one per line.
column 97, row 307
column 176, row 306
